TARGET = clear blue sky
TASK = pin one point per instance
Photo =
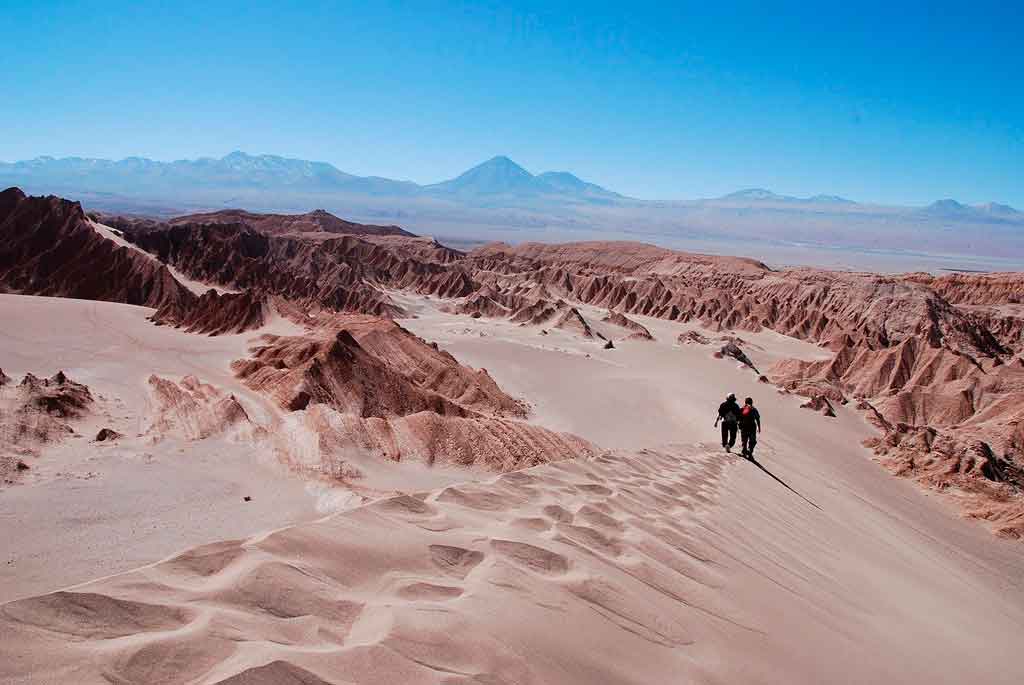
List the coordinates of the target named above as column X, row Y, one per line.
column 896, row 102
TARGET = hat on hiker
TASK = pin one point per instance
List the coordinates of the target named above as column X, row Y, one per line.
column 731, row 396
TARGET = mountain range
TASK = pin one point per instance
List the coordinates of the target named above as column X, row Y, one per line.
column 500, row 200
column 497, row 176
column 494, row 178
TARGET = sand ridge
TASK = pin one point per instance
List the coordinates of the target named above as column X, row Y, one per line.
column 627, row 568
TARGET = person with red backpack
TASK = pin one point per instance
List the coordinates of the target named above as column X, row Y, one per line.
column 750, row 426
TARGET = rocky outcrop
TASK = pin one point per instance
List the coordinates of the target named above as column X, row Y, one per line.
column 821, row 404
column 331, row 274
column 571, row 320
column 193, row 410
column 371, row 368
column 215, row 313
column 733, row 351
column 107, row 435
column 37, row 412
column 371, row 389
column 317, row 221
column 636, row 330
column 692, row 338
column 975, row 289
column 48, row 247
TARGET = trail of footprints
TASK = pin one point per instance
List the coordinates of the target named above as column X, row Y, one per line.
column 587, row 530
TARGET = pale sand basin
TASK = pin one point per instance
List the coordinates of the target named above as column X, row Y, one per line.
column 87, row 509
column 674, row 564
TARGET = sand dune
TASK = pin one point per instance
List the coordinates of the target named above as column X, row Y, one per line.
column 629, row 568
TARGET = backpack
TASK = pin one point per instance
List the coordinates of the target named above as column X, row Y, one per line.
column 747, row 410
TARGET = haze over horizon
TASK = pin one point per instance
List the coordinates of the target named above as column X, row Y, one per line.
column 653, row 103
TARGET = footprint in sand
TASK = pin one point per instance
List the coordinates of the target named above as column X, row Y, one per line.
column 535, row 558
column 277, row 673
column 429, row 592
column 206, row 560
column 533, row 523
column 404, row 504
column 557, row 513
column 598, row 516
column 88, row 615
column 590, row 539
column 455, row 561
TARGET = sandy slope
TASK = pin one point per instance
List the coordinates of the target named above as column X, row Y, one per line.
column 86, row 510
column 670, row 564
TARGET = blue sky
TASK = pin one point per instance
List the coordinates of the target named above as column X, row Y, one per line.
column 896, row 102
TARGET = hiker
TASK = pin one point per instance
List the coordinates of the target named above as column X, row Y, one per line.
column 750, row 426
column 728, row 414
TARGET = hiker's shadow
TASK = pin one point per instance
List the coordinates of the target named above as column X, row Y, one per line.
column 761, row 466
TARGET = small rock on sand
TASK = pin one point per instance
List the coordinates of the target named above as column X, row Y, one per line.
column 107, row 434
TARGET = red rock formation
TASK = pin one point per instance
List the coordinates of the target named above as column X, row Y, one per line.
column 38, row 412
column 733, row 351
column 820, row 403
column 107, row 435
column 571, row 320
column 216, row 313
column 317, row 221
column 336, row 273
column 194, row 410
column 373, row 388
column 692, row 337
column 636, row 330
column 370, row 368
column 975, row 289
column 48, row 247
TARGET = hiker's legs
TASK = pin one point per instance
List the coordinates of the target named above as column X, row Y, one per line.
column 728, row 434
column 749, row 440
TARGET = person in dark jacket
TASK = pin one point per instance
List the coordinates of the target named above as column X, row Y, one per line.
column 750, row 426
column 729, row 415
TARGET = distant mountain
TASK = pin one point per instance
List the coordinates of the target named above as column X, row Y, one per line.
column 945, row 207
column 235, row 170
column 763, row 195
column 830, row 199
column 951, row 209
column 999, row 209
column 496, row 177
column 754, row 194
column 501, row 176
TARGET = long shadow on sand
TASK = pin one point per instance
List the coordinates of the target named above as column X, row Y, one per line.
column 761, row 466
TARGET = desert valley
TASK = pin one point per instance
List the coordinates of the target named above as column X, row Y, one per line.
column 250, row 448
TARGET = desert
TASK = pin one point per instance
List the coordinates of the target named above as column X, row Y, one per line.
column 272, row 448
